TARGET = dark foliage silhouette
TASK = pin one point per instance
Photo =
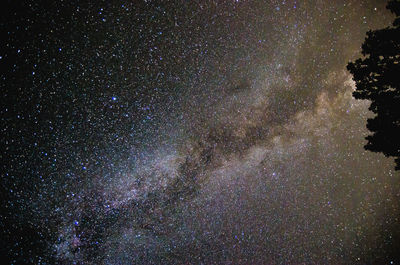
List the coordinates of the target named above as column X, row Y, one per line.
column 377, row 77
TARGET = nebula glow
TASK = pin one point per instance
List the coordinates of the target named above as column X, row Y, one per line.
column 195, row 132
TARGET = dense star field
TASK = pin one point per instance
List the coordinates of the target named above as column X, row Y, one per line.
column 190, row 132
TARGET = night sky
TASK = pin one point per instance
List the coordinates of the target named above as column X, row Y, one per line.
column 190, row 132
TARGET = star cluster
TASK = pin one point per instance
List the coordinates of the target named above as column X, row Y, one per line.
column 190, row 132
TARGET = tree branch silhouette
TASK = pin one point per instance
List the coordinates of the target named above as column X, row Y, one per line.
column 377, row 78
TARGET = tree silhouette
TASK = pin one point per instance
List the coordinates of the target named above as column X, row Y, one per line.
column 377, row 78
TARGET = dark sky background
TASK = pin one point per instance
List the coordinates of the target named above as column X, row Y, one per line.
column 190, row 132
